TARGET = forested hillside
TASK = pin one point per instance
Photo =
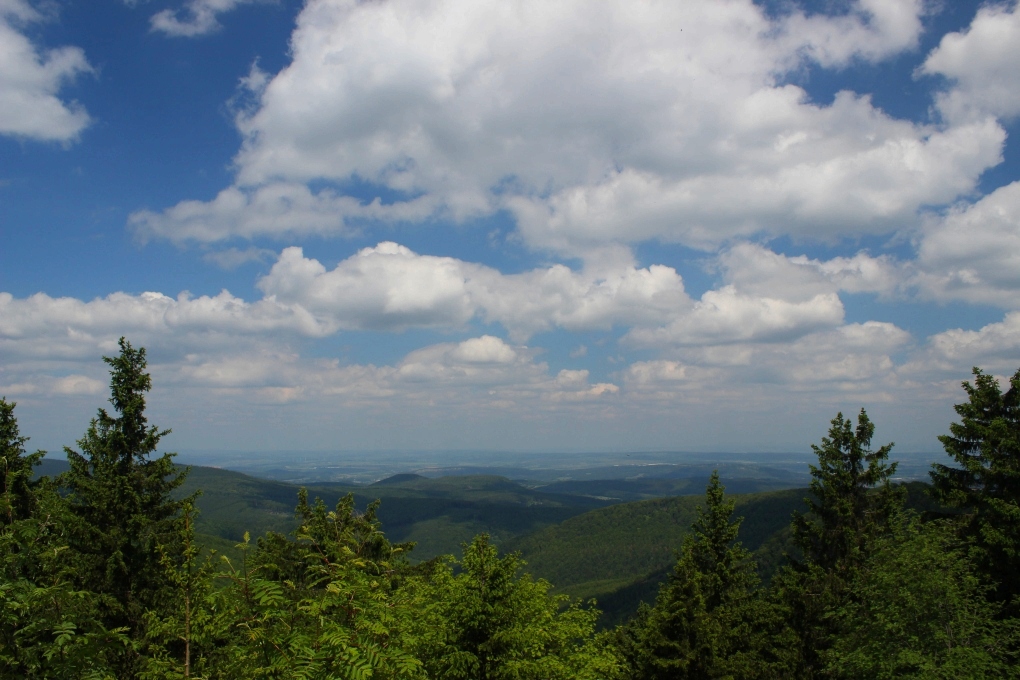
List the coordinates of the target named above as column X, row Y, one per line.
column 437, row 514
column 106, row 574
column 751, row 481
column 560, row 535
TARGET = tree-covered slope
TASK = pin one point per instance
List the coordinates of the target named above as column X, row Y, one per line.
column 439, row 514
column 605, row 549
column 659, row 487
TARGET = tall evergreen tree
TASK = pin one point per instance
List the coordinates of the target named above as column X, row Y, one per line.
column 707, row 621
column 47, row 629
column 17, row 491
column 852, row 500
column 120, row 499
column 852, row 506
column 985, row 479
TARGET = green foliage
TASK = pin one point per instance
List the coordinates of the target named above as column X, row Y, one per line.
column 325, row 605
column 17, row 490
column 437, row 514
column 985, row 445
column 111, row 580
column 487, row 621
column 619, row 555
column 183, row 633
column 707, row 621
column 756, row 481
column 47, row 628
column 919, row 611
column 120, row 505
column 851, row 509
column 852, row 501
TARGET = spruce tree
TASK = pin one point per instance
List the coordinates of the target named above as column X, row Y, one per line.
column 852, row 500
column 120, row 500
column 707, row 621
column 17, row 490
column 47, row 628
column 852, row 507
column 985, row 481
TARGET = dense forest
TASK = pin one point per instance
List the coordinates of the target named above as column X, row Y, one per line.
column 103, row 574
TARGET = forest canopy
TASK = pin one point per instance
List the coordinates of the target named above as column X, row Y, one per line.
column 103, row 576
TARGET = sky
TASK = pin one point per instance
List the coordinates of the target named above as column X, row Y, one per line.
column 514, row 225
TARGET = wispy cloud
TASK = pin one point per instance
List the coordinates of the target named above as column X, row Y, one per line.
column 196, row 18
column 232, row 258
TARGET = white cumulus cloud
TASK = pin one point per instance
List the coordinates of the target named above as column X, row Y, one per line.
column 755, row 269
column 725, row 316
column 612, row 122
column 853, row 359
column 994, row 347
column 981, row 63
column 972, row 253
column 31, row 78
column 391, row 287
column 45, row 327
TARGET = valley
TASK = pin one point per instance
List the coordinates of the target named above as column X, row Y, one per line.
column 607, row 533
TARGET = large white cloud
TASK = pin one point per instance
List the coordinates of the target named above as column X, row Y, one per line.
column 221, row 359
column 44, row 327
column 614, row 122
column 851, row 359
column 972, row 253
column 765, row 296
column 772, row 298
column 475, row 371
column 31, row 79
column 726, row 315
column 391, row 288
column 994, row 347
column 981, row 62
column 756, row 270
column 386, row 287
column 870, row 30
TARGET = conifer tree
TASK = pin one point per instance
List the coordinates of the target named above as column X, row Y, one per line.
column 852, row 501
column 120, row 499
column 17, row 491
column 852, row 506
column 707, row 621
column 985, row 481
column 47, row 629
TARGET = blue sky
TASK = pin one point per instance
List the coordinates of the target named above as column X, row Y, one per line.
column 518, row 225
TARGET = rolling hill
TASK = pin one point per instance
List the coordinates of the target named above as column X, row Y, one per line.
column 619, row 554
column 609, row 539
column 438, row 514
column 629, row 540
